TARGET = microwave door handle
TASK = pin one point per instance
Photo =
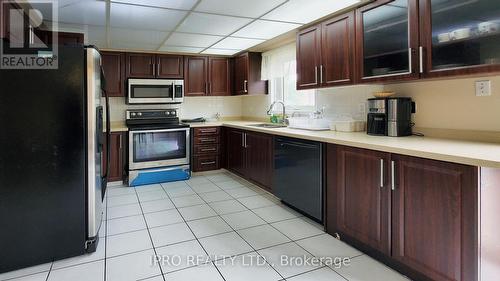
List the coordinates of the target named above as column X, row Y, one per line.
column 173, row 91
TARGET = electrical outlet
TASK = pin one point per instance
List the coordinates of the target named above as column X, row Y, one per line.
column 483, row 88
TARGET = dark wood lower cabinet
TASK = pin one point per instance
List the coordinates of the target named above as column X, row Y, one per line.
column 419, row 216
column 362, row 195
column 260, row 156
column 117, row 156
column 206, row 149
column 434, row 225
column 250, row 155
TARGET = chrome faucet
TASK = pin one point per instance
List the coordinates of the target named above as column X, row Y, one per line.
column 269, row 111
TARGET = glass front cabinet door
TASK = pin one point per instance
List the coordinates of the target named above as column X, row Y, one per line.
column 459, row 37
column 388, row 31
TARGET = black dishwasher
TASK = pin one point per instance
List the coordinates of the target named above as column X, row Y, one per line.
column 298, row 175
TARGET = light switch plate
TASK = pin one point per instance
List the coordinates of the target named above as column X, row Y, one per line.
column 483, row 88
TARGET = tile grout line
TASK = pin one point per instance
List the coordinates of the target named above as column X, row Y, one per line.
column 291, row 240
column 244, row 238
column 196, row 238
column 149, row 233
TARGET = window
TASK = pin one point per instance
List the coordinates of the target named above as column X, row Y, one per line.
column 279, row 67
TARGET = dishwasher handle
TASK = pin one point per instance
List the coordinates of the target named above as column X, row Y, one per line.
column 298, row 144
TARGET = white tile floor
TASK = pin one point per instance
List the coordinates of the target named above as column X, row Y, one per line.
column 220, row 219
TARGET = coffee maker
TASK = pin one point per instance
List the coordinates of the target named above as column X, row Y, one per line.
column 390, row 117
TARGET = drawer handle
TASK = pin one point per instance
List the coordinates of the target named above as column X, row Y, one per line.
column 207, row 140
column 209, row 149
column 208, row 163
column 208, row 130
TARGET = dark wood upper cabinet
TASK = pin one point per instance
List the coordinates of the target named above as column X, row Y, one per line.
column 260, row 158
column 309, row 57
column 113, row 65
column 387, row 41
column 196, row 76
column 459, row 37
column 140, row 65
column 219, row 76
column 435, row 218
column 337, row 51
column 246, row 75
column 170, row 66
column 358, row 189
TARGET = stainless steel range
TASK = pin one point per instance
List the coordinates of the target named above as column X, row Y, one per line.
column 159, row 147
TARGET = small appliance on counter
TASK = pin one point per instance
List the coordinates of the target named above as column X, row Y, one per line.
column 159, row 147
column 390, row 117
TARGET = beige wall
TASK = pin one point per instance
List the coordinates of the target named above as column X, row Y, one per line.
column 452, row 104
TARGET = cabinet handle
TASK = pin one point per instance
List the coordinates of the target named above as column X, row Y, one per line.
column 207, row 140
column 209, row 87
column 421, row 58
column 410, row 61
column 158, row 68
column 208, row 149
column 153, row 68
column 245, row 86
column 208, row 163
column 393, row 175
column 208, row 130
column 321, row 74
column 316, row 75
column 243, row 139
column 381, row 172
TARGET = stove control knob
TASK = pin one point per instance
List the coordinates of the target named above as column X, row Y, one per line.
column 139, row 114
column 132, row 114
column 167, row 112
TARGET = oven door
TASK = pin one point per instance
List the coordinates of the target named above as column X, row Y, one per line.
column 158, row 148
column 155, row 91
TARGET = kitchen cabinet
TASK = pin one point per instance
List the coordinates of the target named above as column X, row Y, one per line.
column 206, row 149
column 140, row 65
column 219, row 76
column 207, row 76
column 420, row 216
column 170, row 66
column 308, row 57
column 235, row 151
column 337, row 51
column 359, row 179
column 459, row 37
column 250, row 155
column 387, row 41
column 196, row 76
column 143, row 65
column 259, row 148
column 117, row 156
column 246, row 75
column 325, row 53
column 113, row 65
column 434, row 224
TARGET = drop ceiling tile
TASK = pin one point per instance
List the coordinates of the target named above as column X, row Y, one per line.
column 128, row 16
column 84, row 13
column 147, row 37
column 135, row 46
column 265, row 29
column 237, row 43
column 243, row 8
column 192, row 40
column 215, row 51
column 179, row 49
column 171, row 4
column 211, row 24
column 306, row 11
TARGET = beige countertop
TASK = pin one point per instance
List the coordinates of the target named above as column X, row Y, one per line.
column 458, row 151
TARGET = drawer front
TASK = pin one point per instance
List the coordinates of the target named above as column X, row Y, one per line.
column 206, row 149
column 206, row 131
column 206, row 163
column 204, row 140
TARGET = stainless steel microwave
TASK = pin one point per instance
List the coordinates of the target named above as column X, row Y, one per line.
column 155, row 91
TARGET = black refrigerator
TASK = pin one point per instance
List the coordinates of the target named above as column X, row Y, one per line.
column 51, row 142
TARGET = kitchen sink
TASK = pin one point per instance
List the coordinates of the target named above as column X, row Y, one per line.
column 268, row 125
